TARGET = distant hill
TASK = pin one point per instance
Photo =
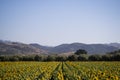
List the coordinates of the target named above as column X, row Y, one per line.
column 115, row 45
column 46, row 48
column 15, row 48
column 90, row 48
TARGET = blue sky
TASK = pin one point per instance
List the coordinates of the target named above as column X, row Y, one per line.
column 52, row 22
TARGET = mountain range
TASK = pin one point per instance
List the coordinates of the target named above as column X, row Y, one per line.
column 17, row 48
column 90, row 48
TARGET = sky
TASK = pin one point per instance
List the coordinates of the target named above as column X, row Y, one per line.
column 53, row 22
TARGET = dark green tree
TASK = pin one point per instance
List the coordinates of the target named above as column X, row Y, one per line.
column 72, row 58
column 80, row 51
column 82, row 58
column 60, row 58
column 116, row 57
column 14, row 58
column 106, row 57
column 50, row 58
column 94, row 58
column 37, row 58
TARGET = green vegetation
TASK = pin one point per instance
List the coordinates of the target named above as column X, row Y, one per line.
column 79, row 55
column 59, row 70
column 80, row 51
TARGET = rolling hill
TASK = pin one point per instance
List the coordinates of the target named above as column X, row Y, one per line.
column 16, row 48
column 90, row 48
column 115, row 45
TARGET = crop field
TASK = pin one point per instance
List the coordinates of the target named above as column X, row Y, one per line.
column 59, row 70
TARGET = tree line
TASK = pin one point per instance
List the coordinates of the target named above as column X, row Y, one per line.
column 79, row 55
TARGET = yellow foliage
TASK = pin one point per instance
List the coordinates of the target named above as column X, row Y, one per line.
column 60, row 70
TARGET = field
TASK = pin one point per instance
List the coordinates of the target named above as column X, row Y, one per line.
column 59, row 70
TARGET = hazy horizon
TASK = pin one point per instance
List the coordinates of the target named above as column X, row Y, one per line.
column 53, row 22
column 57, row 44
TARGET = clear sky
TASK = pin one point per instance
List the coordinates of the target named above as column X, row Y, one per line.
column 52, row 22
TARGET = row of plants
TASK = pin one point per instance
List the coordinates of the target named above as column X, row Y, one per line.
column 26, row 70
column 96, row 70
column 59, row 70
